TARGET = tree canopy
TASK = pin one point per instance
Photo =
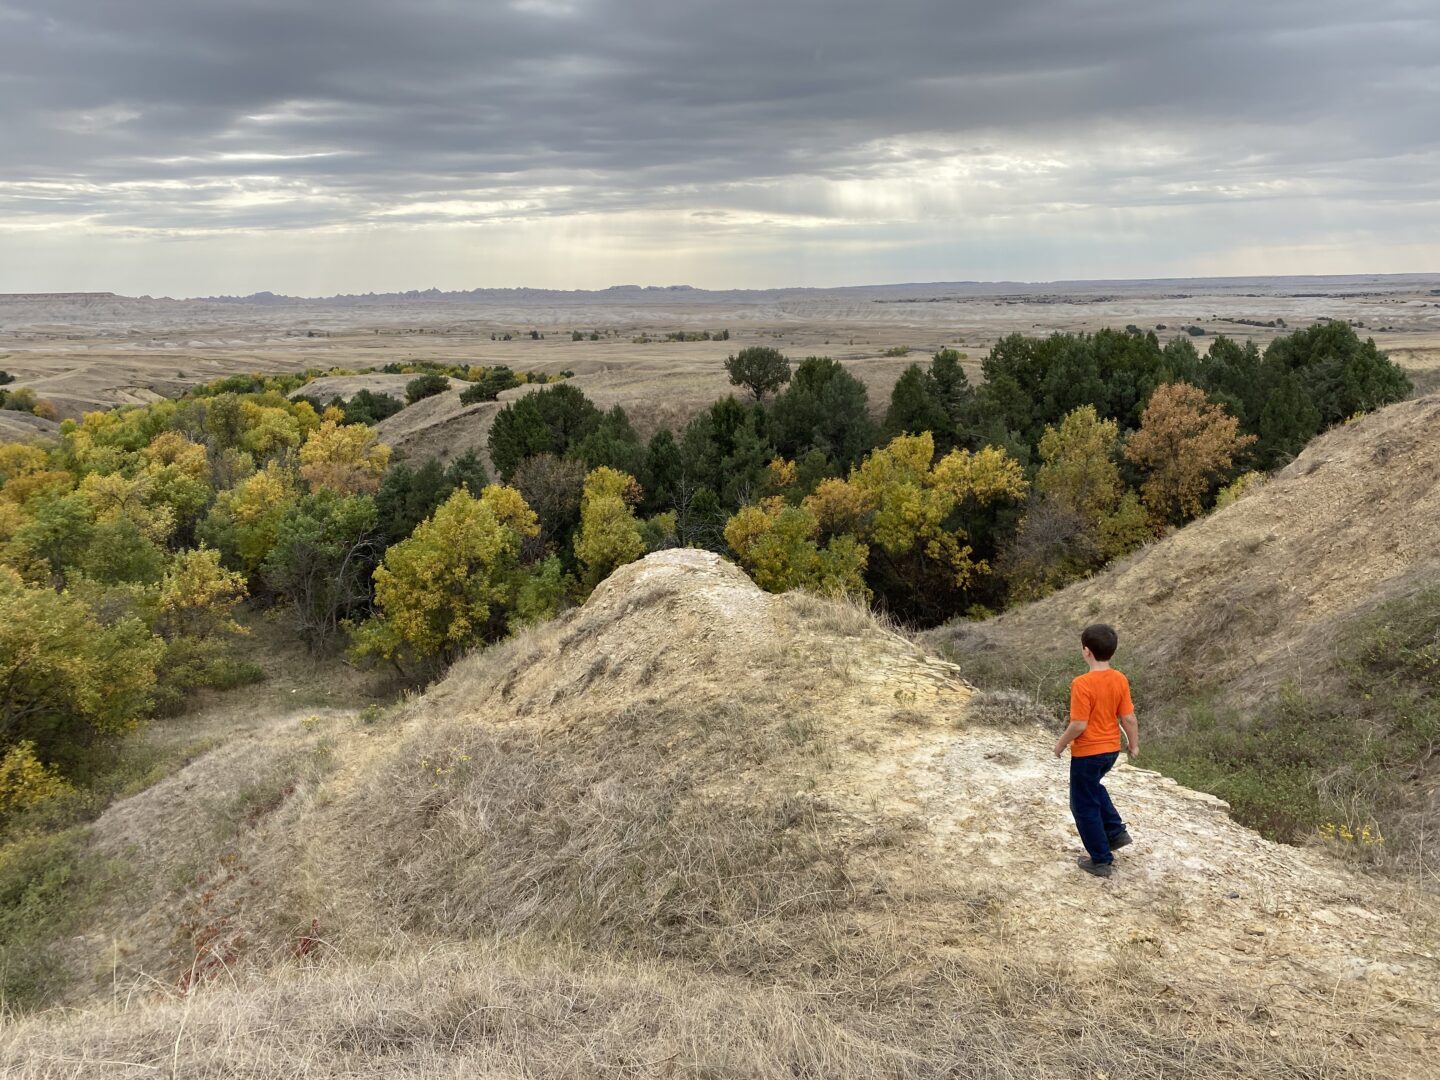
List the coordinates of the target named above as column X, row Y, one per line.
column 759, row 369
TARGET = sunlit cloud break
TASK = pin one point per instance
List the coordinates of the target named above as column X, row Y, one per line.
column 181, row 147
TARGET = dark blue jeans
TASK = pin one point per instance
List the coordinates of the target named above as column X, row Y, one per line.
column 1090, row 804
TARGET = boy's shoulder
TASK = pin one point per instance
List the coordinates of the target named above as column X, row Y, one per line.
column 1101, row 675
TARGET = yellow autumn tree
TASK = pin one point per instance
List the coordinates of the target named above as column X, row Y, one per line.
column 117, row 497
column 11, row 520
column 1081, row 515
column 198, row 597
column 21, row 459
column 266, row 431
column 245, row 519
column 27, row 781
column 346, row 458
column 778, row 545
column 448, row 587
column 780, row 476
column 178, row 472
column 610, row 534
column 26, row 470
column 900, row 501
column 68, row 677
column 841, row 508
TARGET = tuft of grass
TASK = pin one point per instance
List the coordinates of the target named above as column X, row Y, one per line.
column 192, row 665
column 1009, row 708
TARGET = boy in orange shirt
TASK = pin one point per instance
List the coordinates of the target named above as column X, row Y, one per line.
column 1100, row 708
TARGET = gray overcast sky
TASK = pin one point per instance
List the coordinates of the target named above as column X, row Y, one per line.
column 316, row 146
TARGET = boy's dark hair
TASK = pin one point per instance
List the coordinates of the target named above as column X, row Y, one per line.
column 1101, row 640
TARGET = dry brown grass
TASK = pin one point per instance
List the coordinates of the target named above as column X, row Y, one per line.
column 686, row 831
column 522, row 1011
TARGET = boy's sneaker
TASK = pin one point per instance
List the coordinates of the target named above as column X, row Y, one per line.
column 1090, row 866
column 1120, row 839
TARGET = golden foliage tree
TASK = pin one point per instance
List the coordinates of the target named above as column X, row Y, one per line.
column 900, row 500
column 64, row 675
column 21, row 459
column 25, row 780
column 117, row 497
column 1077, row 463
column 1081, row 515
column 1186, row 445
column 267, row 430
column 198, row 597
column 178, row 471
column 779, row 546
column 346, row 458
column 26, row 471
column 245, row 519
column 610, row 534
column 448, row 586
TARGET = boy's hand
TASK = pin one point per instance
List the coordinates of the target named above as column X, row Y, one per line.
column 1069, row 735
column 1132, row 752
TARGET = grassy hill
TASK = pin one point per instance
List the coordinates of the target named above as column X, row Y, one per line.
column 695, row 830
column 1286, row 649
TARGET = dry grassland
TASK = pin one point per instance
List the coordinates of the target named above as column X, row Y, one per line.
column 88, row 353
column 695, row 830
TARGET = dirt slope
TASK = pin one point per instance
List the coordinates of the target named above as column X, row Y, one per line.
column 692, row 829
column 25, row 427
column 1251, row 596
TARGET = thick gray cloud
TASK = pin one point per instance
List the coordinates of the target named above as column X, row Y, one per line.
column 887, row 124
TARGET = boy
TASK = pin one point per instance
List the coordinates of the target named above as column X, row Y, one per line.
column 1099, row 708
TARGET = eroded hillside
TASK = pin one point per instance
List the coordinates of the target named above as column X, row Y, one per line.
column 693, row 829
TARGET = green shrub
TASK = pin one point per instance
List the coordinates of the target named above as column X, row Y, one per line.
column 489, row 385
column 423, row 386
column 370, row 408
column 190, row 664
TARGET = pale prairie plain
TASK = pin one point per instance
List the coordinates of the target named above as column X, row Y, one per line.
column 89, row 351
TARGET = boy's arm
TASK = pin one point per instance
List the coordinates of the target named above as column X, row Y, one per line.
column 1070, row 734
column 1132, row 734
column 1080, row 702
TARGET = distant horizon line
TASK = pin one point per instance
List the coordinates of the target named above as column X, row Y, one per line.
column 435, row 292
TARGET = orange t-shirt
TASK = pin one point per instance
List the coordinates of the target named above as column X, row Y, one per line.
column 1099, row 698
